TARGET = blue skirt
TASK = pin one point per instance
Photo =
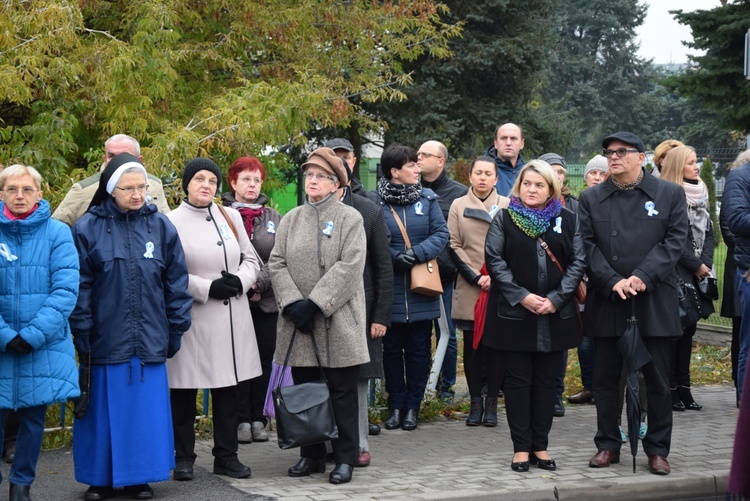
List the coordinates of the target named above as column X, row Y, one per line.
column 126, row 437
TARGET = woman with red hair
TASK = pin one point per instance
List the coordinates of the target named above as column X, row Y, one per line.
column 246, row 176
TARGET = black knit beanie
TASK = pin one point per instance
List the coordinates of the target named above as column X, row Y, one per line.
column 199, row 164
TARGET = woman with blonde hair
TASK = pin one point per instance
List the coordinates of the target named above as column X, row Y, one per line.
column 531, row 315
column 661, row 151
column 681, row 167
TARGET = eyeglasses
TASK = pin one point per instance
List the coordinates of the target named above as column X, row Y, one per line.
column 425, row 154
column 26, row 190
column 318, row 176
column 621, row 152
column 130, row 190
column 248, row 180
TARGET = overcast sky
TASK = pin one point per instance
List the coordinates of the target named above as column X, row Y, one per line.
column 661, row 36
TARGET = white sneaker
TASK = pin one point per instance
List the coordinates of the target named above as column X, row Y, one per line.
column 259, row 432
column 244, row 434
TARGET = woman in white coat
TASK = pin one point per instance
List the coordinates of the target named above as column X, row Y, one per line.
column 220, row 349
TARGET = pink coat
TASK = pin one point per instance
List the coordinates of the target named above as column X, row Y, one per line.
column 220, row 348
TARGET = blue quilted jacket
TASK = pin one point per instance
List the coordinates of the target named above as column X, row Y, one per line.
column 38, row 290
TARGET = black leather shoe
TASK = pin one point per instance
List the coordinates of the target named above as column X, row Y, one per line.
column 677, row 404
column 306, row 466
column 97, row 493
column 19, row 493
column 686, row 397
column 373, row 429
column 341, row 474
column 559, row 409
column 489, row 417
column 394, row 420
column 183, row 470
column 475, row 412
column 410, row 420
column 582, row 397
column 140, row 491
column 232, row 468
column 520, row 466
column 544, row 464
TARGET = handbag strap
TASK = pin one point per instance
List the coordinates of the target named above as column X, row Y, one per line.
column 551, row 256
column 401, row 227
column 289, row 352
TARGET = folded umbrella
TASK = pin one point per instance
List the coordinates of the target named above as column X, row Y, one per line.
column 635, row 355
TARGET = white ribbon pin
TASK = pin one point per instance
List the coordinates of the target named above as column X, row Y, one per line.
column 493, row 210
column 149, row 254
column 418, row 209
column 558, row 225
column 328, row 229
column 5, row 251
column 225, row 233
column 650, row 208
column 270, row 227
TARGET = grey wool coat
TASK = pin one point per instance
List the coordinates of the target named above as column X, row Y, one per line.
column 320, row 254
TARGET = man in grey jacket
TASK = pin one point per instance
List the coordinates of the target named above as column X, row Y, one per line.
column 76, row 202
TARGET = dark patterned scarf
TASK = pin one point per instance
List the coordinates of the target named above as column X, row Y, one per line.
column 397, row 194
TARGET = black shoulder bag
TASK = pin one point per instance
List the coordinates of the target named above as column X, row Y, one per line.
column 304, row 413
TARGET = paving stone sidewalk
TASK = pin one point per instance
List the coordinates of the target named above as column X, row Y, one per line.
column 445, row 460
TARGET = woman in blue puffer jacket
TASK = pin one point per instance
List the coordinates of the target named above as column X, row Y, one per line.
column 406, row 345
column 39, row 266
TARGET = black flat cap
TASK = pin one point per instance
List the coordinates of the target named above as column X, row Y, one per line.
column 625, row 137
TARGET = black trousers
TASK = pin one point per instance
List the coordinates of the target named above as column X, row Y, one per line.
column 475, row 364
column 342, row 383
column 251, row 394
column 495, row 369
column 607, row 370
column 529, row 388
column 224, row 410
column 680, row 351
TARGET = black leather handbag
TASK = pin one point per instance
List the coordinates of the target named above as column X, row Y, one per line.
column 690, row 304
column 304, row 413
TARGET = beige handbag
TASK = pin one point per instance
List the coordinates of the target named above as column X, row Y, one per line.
column 425, row 277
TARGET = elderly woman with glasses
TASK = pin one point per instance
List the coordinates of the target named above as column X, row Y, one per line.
column 132, row 310
column 317, row 270
column 246, row 176
column 38, row 291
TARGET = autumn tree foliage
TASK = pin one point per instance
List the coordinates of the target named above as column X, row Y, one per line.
column 222, row 78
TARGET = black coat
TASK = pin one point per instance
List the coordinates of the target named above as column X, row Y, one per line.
column 730, row 301
column 621, row 239
column 447, row 191
column 378, row 278
column 518, row 266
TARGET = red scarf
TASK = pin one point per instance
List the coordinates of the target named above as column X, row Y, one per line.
column 12, row 217
column 248, row 217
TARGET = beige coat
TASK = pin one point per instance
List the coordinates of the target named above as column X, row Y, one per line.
column 77, row 200
column 468, row 221
column 305, row 263
column 220, row 348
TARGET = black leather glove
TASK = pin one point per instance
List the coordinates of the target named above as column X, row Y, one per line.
column 232, row 280
column 81, row 404
column 405, row 261
column 19, row 345
column 302, row 315
column 175, row 342
column 221, row 290
column 81, row 342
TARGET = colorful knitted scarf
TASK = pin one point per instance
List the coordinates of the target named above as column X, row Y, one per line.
column 533, row 222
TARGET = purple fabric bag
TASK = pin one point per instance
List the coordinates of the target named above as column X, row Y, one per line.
column 286, row 380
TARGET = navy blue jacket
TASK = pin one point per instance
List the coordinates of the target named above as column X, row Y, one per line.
column 736, row 205
column 428, row 235
column 506, row 173
column 133, row 293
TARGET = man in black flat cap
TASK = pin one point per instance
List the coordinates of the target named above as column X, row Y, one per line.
column 634, row 227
